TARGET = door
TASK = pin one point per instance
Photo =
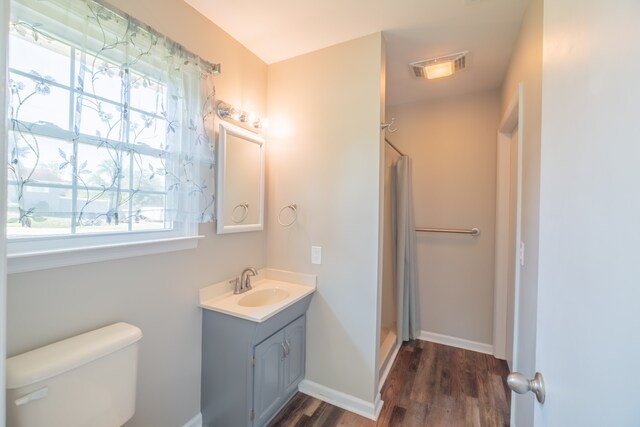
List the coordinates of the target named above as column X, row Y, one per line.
column 279, row 367
column 268, row 377
column 295, row 356
column 587, row 337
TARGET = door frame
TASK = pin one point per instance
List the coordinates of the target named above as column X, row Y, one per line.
column 511, row 120
column 4, row 21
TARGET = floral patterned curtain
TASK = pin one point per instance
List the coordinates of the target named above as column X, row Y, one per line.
column 111, row 124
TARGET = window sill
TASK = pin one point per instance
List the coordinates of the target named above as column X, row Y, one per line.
column 33, row 261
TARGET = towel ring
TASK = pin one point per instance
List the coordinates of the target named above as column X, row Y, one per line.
column 294, row 210
column 244, row 212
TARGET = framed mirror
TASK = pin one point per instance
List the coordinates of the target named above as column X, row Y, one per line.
column 240, row 180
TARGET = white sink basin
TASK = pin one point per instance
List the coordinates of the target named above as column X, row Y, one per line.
column 262, row 297
column 269, row 296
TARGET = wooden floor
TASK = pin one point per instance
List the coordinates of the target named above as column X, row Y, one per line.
column 429, row 385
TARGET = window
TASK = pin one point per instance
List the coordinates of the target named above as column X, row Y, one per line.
column 109, row 131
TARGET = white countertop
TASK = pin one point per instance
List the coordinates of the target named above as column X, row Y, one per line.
column 220, row 297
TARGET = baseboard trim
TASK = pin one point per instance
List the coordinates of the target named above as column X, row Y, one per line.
column 342, row 400
column 388, row 366
column 456, row 342
column 195, row 421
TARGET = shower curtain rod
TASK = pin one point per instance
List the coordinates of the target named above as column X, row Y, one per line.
column 393, row 146
column 473, row 231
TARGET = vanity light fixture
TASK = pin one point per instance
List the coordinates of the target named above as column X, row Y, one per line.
column 246, row 119
column 442, row 66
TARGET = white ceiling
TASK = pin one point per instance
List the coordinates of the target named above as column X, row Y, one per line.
column 413, row 29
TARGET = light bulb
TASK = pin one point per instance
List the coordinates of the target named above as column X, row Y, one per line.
column 440, row 69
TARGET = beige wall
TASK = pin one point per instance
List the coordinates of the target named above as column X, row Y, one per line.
column 324, row 154
column 158, row 293
column 453, row 146
column 526, row 68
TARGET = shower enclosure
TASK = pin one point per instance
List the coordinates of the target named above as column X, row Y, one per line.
column 389, row 309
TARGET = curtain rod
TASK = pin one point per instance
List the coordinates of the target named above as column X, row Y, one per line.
column 393, row 146
column 214, row 68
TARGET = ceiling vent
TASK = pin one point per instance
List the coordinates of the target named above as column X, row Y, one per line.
column 441, row 66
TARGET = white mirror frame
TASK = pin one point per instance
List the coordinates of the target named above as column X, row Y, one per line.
column 250, row 137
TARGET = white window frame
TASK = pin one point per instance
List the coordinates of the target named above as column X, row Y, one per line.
column 42, row 260
column 31, row 253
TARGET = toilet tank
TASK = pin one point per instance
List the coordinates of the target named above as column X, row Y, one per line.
column 86, row 380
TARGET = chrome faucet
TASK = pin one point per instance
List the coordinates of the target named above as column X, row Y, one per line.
column 243, row 283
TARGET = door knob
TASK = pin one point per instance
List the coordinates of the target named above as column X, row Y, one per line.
column 521, row 384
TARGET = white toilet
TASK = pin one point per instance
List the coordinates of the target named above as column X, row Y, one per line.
column 85, row 381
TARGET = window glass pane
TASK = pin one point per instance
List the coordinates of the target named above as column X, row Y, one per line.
column 42, row 204
column 42, row 212
column 99, row 118
column 101, row 79
column 48, row 58
column 148, row 173
column 42, row 160
column 105, row 167
column 35, row 101
column 148, row 212
column 148, row 130
column 99, row 213
column 146, row 94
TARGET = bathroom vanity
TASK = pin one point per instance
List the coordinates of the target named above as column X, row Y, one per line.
column 253, row 347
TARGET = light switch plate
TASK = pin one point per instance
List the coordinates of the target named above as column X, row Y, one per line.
column 316, row 255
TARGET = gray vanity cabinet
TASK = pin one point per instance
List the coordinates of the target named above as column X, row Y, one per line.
column 250, row 369
column 295, row 336
column 279, row 367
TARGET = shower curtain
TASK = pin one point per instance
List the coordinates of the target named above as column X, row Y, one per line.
column 405, row 250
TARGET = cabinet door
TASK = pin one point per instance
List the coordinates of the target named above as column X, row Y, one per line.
column 268, row 377
column 294, row 363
